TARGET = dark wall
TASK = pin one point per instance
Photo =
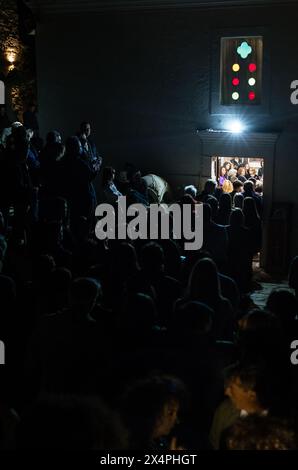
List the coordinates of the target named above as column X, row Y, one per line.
column 144, row 79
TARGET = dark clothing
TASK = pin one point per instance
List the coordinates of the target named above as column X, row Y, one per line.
column 258, row 200
column 80, row 192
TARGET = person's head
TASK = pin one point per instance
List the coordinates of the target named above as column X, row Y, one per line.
column 194, row 318
column 227, row 166
column 150, row 408
column 70, row 423
column 213, row 203
column 225, row 202
column 84, row 294
column 210, row 187
column 250, row 211
column 238, row 200
column 283, row 304
column 124, row 259
column 238, row 186
column 241, row 171
column 257, row 320
column 247, row 167
column 152, row 258
column 223, row 171
column 248, row 187
column 139, row 314
column 108, row 175
column 53, row 137
column 73, row 147
column 259, row 187
column 86, row 129
column 241, row 386
column 191, row 189
column 42, row 267
column 203, row 281
column 252, row 172
column 260, row 433
column 227, row 186
column 236, row 218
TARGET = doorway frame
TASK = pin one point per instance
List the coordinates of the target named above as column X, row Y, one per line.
column 246, row 144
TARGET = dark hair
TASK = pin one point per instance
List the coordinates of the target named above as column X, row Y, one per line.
column 107, row 174
column 250, row 212
column 152, row 257
column 248, row 186
column 236, row 218
column 210, row 186
column 143, row 403
column 260, row 433
column 237, row 184
column 284, row 304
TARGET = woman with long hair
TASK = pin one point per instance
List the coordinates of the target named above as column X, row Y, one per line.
column 224, row 211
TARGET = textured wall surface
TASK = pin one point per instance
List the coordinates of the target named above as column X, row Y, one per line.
column 20, row 83
column 145, row 79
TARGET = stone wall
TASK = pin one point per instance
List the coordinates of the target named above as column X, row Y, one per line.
column 19, row 79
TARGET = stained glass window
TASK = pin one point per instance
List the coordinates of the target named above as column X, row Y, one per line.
column 241, row 70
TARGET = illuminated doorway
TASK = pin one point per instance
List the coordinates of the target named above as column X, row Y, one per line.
column 234, row 168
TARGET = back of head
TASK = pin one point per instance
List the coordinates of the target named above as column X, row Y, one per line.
column 152, row 257
column 140, row 313
column 210, row 186
column 204, row 281
column 283, row 304
column 250, row 211
column 236, row 218
column 213, row 203
column 84, row 293
column 227, row 186
column 191, row 189
column 248, row 186
column 225, row 202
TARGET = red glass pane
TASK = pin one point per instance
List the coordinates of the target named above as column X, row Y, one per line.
column 235, row 81
column 252, row 67
column 251, row 95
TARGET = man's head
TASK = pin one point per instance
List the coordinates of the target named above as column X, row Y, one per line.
column 210, row 187
column 241, row 388
column 86, row 128
column 238, row 186
column 248, row 186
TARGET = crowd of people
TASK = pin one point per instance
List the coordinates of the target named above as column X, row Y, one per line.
column 134, row 344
